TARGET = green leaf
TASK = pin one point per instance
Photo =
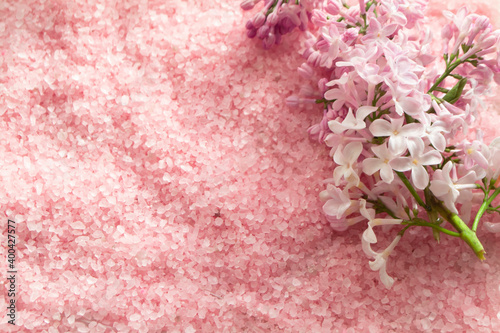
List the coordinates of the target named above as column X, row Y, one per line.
column 454, row 94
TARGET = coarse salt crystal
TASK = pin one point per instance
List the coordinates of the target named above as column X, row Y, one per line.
column 218, row 221
column 135, row 317
column 78, row 225
column 190, row 329
column 125, row 99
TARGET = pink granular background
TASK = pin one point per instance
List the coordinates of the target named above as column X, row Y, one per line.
column 160, row 184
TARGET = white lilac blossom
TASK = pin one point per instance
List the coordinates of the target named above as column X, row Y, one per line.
column 397, row 133
column 380, row 258
column 447, row 187
column 416, row 162
column 346, row 159
column 350, row 122
column 382, row 163
column 395, row 115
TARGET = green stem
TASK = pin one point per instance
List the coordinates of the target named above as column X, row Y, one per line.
column 448, row 71
column 412, row 190
column 468, row 235
column 483, row 208
column 422, row 223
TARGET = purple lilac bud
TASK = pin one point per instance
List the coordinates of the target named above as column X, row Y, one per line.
column 269, row 41
column 322, row 85
column 277, row 38
column 350, row 35
column 307, row 91
column 251, row 33
column 263, row 31
column 258, row 20
column 273, row 18
column 446, row 35
column 283, row 18
column 332, row 8
column 319, row 17
column 293, row 101
column 286, row 26
column 362, row 7
column 305, row 71
column 307, row 52
column 248, row 4
column 314, row 59
column 249, row 25
column 481, row 23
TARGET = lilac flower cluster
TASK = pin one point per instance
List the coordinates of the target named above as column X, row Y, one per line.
column 396, row 119
column 277, row 18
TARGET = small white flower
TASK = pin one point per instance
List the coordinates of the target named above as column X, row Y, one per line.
column 337, row 201
column 416, row 162
column 350, row 122
column 397, row 133
column 380, row 258
column 346, row 159
column 380, row 163
column 447, row 187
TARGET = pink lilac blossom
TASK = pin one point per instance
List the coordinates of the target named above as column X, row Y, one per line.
column 275, row 19
column 412, row 111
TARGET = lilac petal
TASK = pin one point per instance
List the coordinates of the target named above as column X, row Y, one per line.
column 339, row 157
column 397, row 145
column 439, row 188
column 336, row 127
column 367, row 249
column 352, row 151
column 495, row 143
column 337, row 224
column 335, row 208
column 386, row 173
column 449, row 202
column 469, row 178
column 364, row 111
column 338, row 173
column 381, row 127
column 369, row 235
column 431, row 158
column 378, row 263
column 385, row 278
column 349, row 120
column 389, row 29
column 401, row 164
column 382, row 152
column 368, row 214
column 411, row 106
column 480, row 159
column 419, row 177
column 332, row 140
column 372, row 165
column 332, row 94
column 416, row 146
column 338, row 104
column 386, row 221
column 412, row 130
column 438, row 141
column 492, row 227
